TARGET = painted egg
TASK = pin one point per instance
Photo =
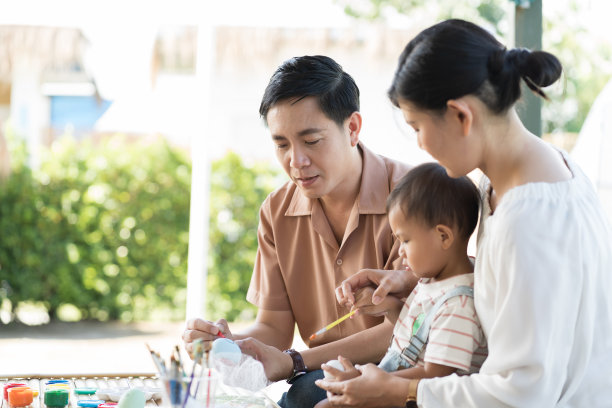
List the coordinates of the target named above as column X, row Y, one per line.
column 333, row 363
column 226, row 349
column 133, row 398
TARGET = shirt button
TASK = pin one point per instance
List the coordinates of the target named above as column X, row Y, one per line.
column 339, row 262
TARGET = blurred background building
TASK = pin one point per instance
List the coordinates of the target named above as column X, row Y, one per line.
column 88, row 79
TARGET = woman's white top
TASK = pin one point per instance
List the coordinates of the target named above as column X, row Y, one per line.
column 543, row 292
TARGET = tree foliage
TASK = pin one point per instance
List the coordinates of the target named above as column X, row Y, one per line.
column 103, row 227
column 585, row 58
column 490, row 13
column 237, row 191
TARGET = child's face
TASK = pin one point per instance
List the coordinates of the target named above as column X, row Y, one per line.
column 421, row 248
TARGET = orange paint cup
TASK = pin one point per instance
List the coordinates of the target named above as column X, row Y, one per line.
column 20, row 396
column 11, row 385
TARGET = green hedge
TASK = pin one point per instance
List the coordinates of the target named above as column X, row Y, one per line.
column 104, row 227
column 237, row 192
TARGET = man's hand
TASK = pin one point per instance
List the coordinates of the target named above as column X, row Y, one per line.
column 205, row 330
column 277, row 365
column 396, row 283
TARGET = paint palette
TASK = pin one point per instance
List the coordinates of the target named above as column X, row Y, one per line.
column 115, row 394
column 108, row 389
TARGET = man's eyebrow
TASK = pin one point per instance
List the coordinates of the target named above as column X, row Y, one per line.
column 301, row 133
column 309, row 131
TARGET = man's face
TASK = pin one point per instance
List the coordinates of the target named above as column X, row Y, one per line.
column 312, row 148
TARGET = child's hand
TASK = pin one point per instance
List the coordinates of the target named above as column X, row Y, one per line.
column 363, row 301
column 389, row 307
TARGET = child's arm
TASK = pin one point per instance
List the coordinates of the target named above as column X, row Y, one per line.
column 389, row 307
column 430, row 370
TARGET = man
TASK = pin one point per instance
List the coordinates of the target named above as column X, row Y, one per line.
column 324, row 225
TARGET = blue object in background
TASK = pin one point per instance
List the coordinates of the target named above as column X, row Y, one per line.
column 522, row 3
column 80, row 112
column 90, row 403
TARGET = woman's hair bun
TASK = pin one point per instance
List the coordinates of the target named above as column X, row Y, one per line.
column 539, row 69
column 455, row 58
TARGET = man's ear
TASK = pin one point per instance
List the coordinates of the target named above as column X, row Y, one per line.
column 354, row 127
column 460, row 110
column 446, row 235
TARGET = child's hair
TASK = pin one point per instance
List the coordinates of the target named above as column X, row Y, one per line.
column 428, row 194
column 455, row 58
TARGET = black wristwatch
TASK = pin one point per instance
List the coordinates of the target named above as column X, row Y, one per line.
column 299, row 368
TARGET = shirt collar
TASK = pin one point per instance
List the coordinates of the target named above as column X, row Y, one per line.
column 373, row 192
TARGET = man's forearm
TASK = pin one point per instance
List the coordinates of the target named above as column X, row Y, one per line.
column 367, row 346
column 266, row 334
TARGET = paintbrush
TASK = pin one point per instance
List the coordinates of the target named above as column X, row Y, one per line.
column 334, row 323
column 161, row 367
column 180, row 360
column 204, row 363
column 198, row 351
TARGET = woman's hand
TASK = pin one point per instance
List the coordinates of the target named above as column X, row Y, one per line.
column 277, row 365
column 205, row 330
column 347, row 373
column 396, row 283
column 373, row 388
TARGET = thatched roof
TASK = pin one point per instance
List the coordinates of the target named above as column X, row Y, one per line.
column 56, row 48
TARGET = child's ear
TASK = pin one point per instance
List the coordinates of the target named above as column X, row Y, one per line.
column 446, row 235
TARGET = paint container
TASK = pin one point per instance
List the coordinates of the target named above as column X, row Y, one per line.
column 57, row 398
column 20, row 396
column 11, row 385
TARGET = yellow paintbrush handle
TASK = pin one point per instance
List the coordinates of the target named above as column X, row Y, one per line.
column 340, row 320
column 332, row 324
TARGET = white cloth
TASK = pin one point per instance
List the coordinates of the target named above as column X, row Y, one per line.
column 456, row 338
column 543, row 292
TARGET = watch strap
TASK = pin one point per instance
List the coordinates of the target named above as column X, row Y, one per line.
column 299, row 368
column 411, row 399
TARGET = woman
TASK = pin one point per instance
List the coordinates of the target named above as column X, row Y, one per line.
column 543, row 272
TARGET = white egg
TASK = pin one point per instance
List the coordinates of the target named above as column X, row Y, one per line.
column 133, row 398
column 226, row 349
column 333, row 363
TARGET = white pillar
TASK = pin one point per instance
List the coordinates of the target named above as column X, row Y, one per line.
column 200, row 177
column 30, row 110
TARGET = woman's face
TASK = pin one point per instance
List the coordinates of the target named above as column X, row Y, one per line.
column 441, row 136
